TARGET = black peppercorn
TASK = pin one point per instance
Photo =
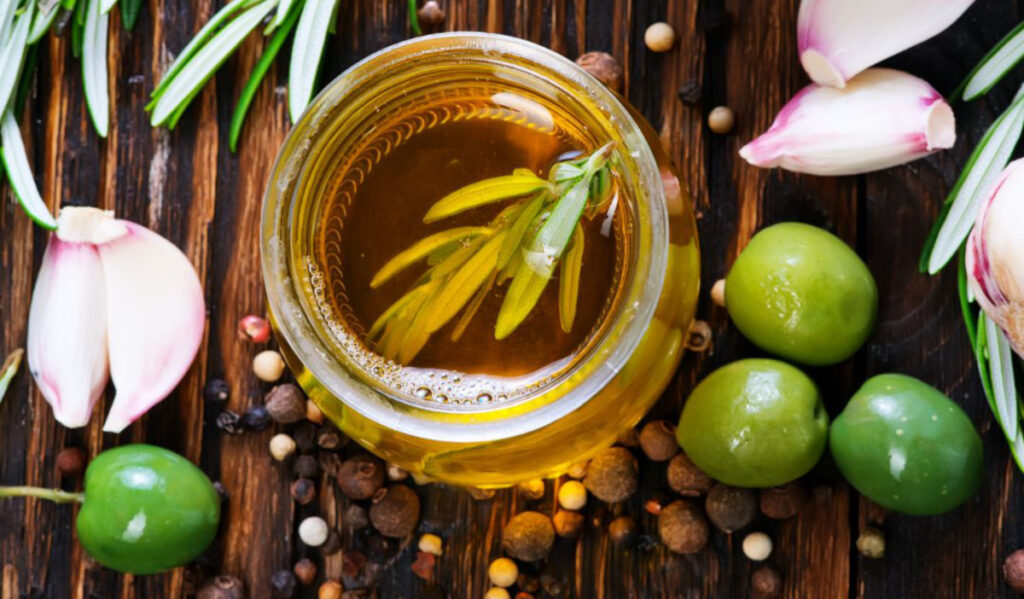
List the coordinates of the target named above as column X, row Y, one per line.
column 730, row 508
column 304, row 434
column 305, row 570
column 329, row 437
column 282, row 584
column 306, row 466
column 622, row 530
column 71, row 461
column 690, row 93
column 256, row 418
column 303, row 491
column 222, row 493
column 222, row 587
column 229, row 422
column 217, row 390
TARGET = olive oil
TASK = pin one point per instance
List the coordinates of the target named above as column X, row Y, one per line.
column 377, row 212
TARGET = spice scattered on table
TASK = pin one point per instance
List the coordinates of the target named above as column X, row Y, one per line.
column 286, row 403
column 254, row 328
column 659, row 37
column 683, row 527
column 612, row 475
column 282, row 447
column 871, row 543
column 572, row 495
column 721, row 120
column 658, row 440
column 503, row 572
column 603, row 67
column 313, row 531
column 528, row 536
column 268, row 366
column 757, row 546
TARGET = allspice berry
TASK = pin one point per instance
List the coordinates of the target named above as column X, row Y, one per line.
column 430, row 13
column 361, row 476
column 603, row 67
column 871, row 543
column 612, row 475
column 286, row 403
column 730, row 508
column 765, row 583
column 531, row 490
column 306, row 466
column 781, row 503
column 303, row 491
column 222, row 587
column 660, row 37
column 658, row 440
column 528, row 536
column 567, row 523
column 329, row 437
column 395, row 511
column 71, row 461
column 686, row 478
column 331, row 589
column 622, row 530
column 282, row 584
column 682, row 527
column 305, row 571
column 1013, row 570
column 721, row 120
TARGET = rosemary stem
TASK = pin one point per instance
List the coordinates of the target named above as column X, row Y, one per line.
column 55, row 495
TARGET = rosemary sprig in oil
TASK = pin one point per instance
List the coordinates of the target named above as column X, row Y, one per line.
column 523, row 246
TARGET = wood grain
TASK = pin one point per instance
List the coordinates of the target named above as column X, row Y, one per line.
column 186, row 185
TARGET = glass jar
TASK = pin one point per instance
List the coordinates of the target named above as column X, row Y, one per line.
column 604, row 392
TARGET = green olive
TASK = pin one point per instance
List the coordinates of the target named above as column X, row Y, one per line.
column 146, row 509
column 754, row 423
column 907, row 447
column 800, row 293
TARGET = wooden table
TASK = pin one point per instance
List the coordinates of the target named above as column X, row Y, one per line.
column 189, row 187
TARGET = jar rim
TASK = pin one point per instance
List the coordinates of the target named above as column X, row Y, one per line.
column 485, row 421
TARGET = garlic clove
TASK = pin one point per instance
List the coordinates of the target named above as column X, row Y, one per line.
column 882, row 118
column 156, row 315
column 995, row 255
column 67, row 330
column 838, row 39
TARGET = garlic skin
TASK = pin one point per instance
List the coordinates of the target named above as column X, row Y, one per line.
column 67, row 326
column 995, row 255
column 883, row 118
column 838, row 39
column 113, row 300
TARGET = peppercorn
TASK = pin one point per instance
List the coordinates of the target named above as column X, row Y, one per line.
column 578, row 470
column 603, row 67
column 1013, row 570
column 730, row 508
column 282, row 447
column 333, row 543
column 871, row 543
column 286, row 403
column 528, row 536
column 303, row 491
column 268, row 366
column 690, row 92
column 567, row 523
column 217, row 390
column 780, row 503
column 527, row 582
column 361, row 476
column 313, row 412
column 497, row 593
column 480, row 494
column 686, row 478
column 395, row 511
column 572, row 495
column 682, row 527
column 531, row 490
column 757, row 546
column 305, row 570
column 222, row 493
column 765, row 583
column 721, row 120
column 660, row 37
column 430, row 13
column 622, row 530
column 612, row 475
column 305, row 466
column 254, row 328
column 552, row 585
column 658, row 440
column 718, row 293
column 396, row 473
column 503, row 572
column 656, row 502
column 313, row 531
column 423, row 567
column 331, row 589
column 229, row 422
column 256, row 419
column 222, row 587
column 431, row 544
column 330, row 463
column 71, row 461
column 355, row 517
column 282, row 584
column 328, row 437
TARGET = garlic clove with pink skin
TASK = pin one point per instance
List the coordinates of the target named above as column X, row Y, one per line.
column 838, row 39
column 67, row 331
column 112, row 299
column 883, row 118
column 995, row 255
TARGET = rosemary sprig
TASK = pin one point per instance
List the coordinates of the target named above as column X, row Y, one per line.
column 531, row 238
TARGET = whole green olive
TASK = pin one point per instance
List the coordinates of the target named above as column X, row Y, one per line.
column 907, row 447
column 754, row 423
column 146, row 509
column 799, row 292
